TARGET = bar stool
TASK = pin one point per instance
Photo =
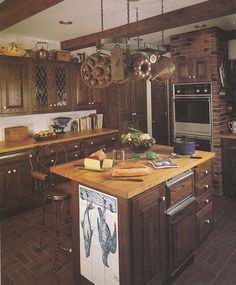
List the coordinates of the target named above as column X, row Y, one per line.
column 52, row 189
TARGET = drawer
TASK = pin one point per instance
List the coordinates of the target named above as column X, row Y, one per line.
column 205, row 221
column 204, row 200
column 203, row 170
column 100, row 140
column 179, row 190
column 75, row 145
column 74, row 155
column 203, row 186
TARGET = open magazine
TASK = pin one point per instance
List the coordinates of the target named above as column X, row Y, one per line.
column 163, row 163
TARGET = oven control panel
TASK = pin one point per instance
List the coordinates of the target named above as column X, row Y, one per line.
column 192, row 89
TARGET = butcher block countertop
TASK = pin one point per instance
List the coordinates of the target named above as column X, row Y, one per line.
column 128, row 189
column 8, row 147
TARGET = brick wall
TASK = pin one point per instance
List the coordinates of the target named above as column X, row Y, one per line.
column 208, row 42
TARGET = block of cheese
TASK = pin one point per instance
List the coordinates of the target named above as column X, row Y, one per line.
column 107, row 163
column 92, row 164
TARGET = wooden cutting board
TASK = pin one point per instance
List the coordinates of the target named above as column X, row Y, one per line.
column 117, row 64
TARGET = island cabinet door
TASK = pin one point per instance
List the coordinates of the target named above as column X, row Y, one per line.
column 181, row 235
column 148, row 254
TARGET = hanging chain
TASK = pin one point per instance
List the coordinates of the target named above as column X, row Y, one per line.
column 162, row 32
column 102, row 24
column 137, row 21
column 128, row 11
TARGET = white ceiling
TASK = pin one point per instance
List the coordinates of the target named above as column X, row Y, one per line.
column 86, row 18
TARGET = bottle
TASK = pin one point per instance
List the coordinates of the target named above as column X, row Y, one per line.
column 114, row 154
column 122, row 155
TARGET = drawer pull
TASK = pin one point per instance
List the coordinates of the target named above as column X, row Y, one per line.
column 206, row 172
column 52, row 160
column 207, row 201
column 206, row 186
column 14, row 170
column 163, row 198
column 104, row 149
column 30, row 155
column 207, row 221
column 9, row 171
column 91, row 142
column 113, row 139
column 76, row 155
column 76, row 146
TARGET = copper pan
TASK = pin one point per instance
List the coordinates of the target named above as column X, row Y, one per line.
column 162, row 69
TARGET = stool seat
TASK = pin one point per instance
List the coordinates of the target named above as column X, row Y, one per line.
column 59, row 191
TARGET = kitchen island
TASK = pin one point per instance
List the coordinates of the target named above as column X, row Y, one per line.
column 128, row 232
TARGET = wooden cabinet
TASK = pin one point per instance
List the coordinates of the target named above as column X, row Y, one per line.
column 148, row 256
column 193, row 70
column 17, row 189
column 50, row 88
column 106, row 143
column 229, row 167
column 14, row 85
column 129, row 105
column 181, row 231
column 203, row 180
column 85, row 97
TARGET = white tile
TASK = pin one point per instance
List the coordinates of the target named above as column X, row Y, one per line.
column 98, row 276
column 85, row 269
column 111, row 280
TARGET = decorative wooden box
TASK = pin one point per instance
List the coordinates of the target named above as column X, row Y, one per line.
column 63, row 55
column 16, row 133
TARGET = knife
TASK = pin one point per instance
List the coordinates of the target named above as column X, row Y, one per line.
column 126, row 179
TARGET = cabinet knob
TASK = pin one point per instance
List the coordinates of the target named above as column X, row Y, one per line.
column 113, row 138
column 30, row 155
column 189, row 76
column 50, row 105
column 52, row 160
column 76, row 146
column 206, row 171
column 206, row 186
column 163, row 198
column 207, row 201
column 9, row 171
column 104, row 149
column 4, row 107
column 54, row 105
column 14, row 170
column 91, row 142
column 76, row 155
column 194, row 76
column 92, row 103
column 207, row 221
column 89, row 103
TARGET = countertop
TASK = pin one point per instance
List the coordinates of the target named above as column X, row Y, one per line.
column 7, row 147
column 129, row 189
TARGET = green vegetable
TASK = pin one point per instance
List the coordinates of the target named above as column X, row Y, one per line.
column 151, row 155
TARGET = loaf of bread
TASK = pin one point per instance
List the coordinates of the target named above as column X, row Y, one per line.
column 100, row 155
column 130, row 170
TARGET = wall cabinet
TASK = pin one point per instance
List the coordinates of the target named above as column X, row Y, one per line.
column 14, row 85
column 229, row 167
column 149, row 237
column 193, row 70
column 50, row 86
column 17, row 189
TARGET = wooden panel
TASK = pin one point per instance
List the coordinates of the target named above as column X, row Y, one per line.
column 204, row 200
column 203, row 170
column 203, row 186
column 205, row 221
column 14, row 11
column 188, row 15
column 148, row 252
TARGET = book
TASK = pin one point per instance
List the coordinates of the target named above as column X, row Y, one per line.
column 163, row 163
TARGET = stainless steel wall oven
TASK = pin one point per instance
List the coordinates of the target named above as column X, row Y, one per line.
column 192, row 105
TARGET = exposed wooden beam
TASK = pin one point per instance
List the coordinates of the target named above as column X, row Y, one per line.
column 231, row 35
column 181, row 17
column 14, row 11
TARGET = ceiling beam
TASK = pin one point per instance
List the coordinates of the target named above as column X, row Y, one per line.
column 181, row 17
column 15, row 11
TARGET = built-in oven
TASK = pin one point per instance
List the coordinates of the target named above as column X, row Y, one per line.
column 193, row 110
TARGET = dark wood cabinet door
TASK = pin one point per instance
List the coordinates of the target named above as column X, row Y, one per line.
column 181, row 234
column 202, row 69
column 183, row 71
column 138, row 97
column 14, row 85
column 6, row 184
column 139, row 121
column 160, row 122
column 148, row 238
column 229, row 167
column 124, row 97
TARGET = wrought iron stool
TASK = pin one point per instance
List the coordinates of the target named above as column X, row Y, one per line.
column 52, row 189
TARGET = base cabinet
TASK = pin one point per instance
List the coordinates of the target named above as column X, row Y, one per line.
column 229, row 167
column 148, row 238
column 17, row 189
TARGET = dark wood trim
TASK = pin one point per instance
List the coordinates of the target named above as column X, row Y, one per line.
column 14, row 11
column 188, row 15
column 231, row 35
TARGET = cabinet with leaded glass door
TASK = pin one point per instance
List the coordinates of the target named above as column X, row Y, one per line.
column 13, row 85
column 50, row 86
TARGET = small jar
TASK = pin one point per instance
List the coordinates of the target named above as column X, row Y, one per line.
column 74, row 126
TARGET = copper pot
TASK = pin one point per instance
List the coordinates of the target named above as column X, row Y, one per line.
column 162, row 69
column 42, row 53
column 140, row 67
